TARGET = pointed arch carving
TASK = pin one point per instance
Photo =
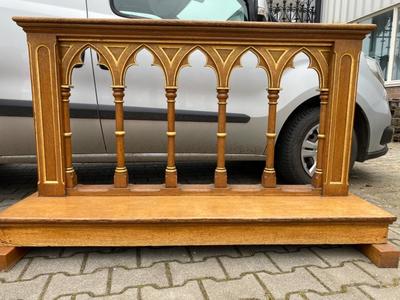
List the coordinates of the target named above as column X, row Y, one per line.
column 71, row 57
column 134, row 50
column 318, row 62
column 183, row 61
column 261, row 62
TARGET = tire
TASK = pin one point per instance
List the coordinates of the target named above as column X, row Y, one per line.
column 289, row 160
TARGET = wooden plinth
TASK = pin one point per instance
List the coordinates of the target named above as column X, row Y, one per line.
column 9, row 256
column 382, row 255
column 192, row 220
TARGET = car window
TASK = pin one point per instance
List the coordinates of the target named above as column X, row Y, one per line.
column 235, row 10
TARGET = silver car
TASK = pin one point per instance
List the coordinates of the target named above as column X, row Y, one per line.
column 92, row 109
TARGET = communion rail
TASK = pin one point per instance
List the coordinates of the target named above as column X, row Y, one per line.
column 65, row 213
column 56, row 47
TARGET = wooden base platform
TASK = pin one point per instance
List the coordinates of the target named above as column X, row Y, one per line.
column 192, row 220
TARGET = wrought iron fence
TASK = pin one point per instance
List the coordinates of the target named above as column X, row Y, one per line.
column 297, row 11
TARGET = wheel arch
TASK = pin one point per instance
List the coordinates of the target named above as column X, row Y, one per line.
column 361, row 125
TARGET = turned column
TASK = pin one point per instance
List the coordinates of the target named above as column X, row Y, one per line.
column 121, row 172
column 70, row 175
column 269, row 177
column 171, row 178
column 220, row 177
column 317, row 178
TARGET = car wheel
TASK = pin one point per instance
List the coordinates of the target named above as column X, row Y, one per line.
column 296, row 148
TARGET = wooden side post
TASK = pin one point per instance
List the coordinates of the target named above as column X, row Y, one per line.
column 70, row 175
column 121, row 172
column 46, row 96
column 340, row 117
column 269, row 177
column 221, row 178
column 317, row 178
column 171, row 177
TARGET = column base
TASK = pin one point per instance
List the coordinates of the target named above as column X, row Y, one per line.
column 171, row 179
column 121, row 180
column 268, row 179
column 316, row 180
column 221, row 179
column 70, row 179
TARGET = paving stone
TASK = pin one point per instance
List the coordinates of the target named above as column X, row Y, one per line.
column 295, row 297
column 97, row 260
column 287, row 261
column 184, row 272
column 245, row 288
column 300, row 280
column 352, row 293
column 250, row 250
column 29, row 289
column 190, row 291
column 150, row 255
column 201, row 253
column 155, row 275
column 336, row 256
column 14, row 272
column 94, row 283
column 390, row 293
column 49, row 252
column 394, row 232
column 237, row 266
column 337, row 277
column 395, row 226
column 384, row 275
column 39, row 265
column 129, row 294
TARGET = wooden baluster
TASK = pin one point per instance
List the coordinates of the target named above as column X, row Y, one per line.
column 70, row 175
column 121, row 172
column 269, row 177
column 220, row 178
column 171, row 178
column 317, row 178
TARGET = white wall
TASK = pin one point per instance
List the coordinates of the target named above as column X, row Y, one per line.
column 343, row 11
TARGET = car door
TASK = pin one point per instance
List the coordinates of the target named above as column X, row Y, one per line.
column 196, row 103
column 16, row 126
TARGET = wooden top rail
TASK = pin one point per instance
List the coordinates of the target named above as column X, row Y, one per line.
column 56, row 45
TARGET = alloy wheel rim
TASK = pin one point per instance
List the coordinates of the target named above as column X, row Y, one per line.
column 309, row 149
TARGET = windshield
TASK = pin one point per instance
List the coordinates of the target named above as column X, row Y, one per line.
column 222, row 10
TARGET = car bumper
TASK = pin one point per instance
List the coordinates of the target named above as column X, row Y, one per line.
column 387, row 135
column 378, row 153
column 386, row 138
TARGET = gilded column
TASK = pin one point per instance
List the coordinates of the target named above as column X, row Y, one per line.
column 171, row 178
column 269, row 176
column 121, row 172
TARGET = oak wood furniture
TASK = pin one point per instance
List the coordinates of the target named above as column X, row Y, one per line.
column 66, row 213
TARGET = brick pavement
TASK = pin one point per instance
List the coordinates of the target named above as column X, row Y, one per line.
column 244, row 272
